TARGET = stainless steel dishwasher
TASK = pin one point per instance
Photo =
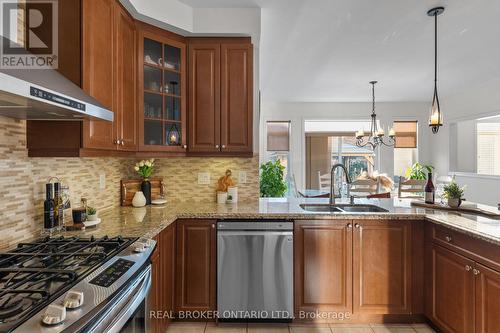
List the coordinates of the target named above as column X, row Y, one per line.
column 255, row 270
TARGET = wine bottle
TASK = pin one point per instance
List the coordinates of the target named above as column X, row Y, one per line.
column 58, row 208
column 48, row 208
column 429, row 190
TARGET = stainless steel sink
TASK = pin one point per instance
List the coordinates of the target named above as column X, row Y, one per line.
column 320, row 208
column 343, row 208
column 362, row 209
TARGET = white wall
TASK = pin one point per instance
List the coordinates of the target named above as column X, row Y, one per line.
column 478, row 101
column 386, row 112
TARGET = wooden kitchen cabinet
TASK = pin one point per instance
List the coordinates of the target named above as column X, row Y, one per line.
column 220, row 96
column 162, row 91
column 196, row 265
column 487, row 302
column 462, row 282
column 108, row 72
column 204, row 97
column 98, row 69
column 382, row 261
column 126, row 137
column 451, row 303
column 161, row 300
column 323, row 265
column 236, row 97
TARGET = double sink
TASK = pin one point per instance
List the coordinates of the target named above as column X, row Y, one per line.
column 343, row 208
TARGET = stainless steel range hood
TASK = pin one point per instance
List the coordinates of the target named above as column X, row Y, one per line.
column 45, row 94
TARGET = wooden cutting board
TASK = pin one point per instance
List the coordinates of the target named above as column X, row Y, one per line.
column 130, row 186
column 465, row 207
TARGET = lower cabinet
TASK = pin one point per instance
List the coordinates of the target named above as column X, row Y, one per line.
column 452, row 289
column 196, row 265
column 161, row 301
column 462, row 294
column 382, row 267
column 359, row 267
column 323, row 266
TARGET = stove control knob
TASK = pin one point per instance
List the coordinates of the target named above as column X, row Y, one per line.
column 142, row 244
column 54, row 314
column 73, row 299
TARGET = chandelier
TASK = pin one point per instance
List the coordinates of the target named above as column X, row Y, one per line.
column 376, row 137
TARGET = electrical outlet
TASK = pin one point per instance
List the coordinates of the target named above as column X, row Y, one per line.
column 242, row 177
column 203, row 178
column 102, row 181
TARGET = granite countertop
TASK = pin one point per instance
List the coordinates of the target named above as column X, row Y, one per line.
column 149, row 221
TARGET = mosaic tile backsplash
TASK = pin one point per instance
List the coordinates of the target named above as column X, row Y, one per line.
column 22, row 181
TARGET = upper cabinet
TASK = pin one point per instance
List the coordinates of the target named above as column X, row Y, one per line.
column 220, row 96
column 98, row 69
column 162, row 92
column 170, row 95
column 108, row 67
column 109, row 74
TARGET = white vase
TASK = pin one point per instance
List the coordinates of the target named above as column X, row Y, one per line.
column 139, row 199
column 221, row 197
column 92, row 217
column 454, row 202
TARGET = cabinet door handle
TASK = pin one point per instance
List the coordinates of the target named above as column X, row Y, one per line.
column 349, row 225
column 122, row 142
column 185, row 146
column 448, row 239
column 115, row 142
column 213, row 225
column 476, row 271
column 468, row 268
column 357, row 226
column 217, row 146
column 223, row 146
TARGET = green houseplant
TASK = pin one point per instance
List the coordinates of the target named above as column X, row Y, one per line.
column 272, row 184
column 454, row 194
column 91, row 214
column 418, row 171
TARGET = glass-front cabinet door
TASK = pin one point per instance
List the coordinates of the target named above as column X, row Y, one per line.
column 162, row 114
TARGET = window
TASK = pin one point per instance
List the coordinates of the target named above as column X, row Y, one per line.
column 406, row 134
column 488, row 148
column 405, row 148
column 278, row 148
column 475, row 146
column 278, row 136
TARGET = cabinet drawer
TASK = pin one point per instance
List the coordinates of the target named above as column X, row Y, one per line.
column 476, row 249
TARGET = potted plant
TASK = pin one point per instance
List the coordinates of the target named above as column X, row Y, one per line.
column 454, row 194
column 145, row 169
column 418, row 171
column 91, row 214
column 272, row 183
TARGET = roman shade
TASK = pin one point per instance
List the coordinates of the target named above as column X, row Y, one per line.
column 406, row 134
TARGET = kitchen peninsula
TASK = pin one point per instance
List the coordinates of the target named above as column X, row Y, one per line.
column 402, row 265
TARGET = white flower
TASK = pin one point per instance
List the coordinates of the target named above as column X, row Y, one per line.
column 136, row 168
column 152, row 161
column 148, row 163
column 141, row 163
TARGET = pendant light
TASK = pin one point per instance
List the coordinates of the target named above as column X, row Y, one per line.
column 376, row 136
column 436, row 117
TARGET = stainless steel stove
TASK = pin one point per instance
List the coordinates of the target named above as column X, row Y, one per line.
column 76, row 285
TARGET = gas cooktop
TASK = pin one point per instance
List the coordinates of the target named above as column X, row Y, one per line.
column 36, row 273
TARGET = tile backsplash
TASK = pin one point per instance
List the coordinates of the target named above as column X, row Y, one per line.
column 22, row 181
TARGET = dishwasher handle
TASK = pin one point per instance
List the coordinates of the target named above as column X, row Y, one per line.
column 225, row 233
column 255, row 225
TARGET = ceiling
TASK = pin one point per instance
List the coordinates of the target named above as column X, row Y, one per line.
column 223, row 3
column 328, row 50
